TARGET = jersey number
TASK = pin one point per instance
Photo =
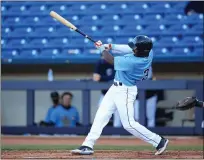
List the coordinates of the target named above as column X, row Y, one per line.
column 145, row 74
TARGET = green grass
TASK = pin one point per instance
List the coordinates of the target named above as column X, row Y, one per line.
column 99, row 147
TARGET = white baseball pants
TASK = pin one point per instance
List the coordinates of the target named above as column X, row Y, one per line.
column 151, row 105
column 119, row 98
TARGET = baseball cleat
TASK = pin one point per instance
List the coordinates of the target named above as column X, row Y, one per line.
column 162, row 146
column 83, row 150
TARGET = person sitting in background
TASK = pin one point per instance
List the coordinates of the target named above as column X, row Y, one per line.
column 55, row 100
column 65, row 115
column 194, row 7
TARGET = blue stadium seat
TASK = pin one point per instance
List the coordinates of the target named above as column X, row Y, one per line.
column 199, row 51
column 50, row 53
column 30, row 53
column 39, row 42
column 156, row 29
column 17, row 43
column 181, row 51
column 60, row 8
column 180, row 5
column 22, row 32
column 59, row 42
column 45, row 31
column 10, row 53
column 28, row 30
column 49, row 21
column 193, row 40
column 91, row 19
column 4, row 43
column 179, row 29
column 163, row 7
column 171, row 41
column 121, row 7
column 80, row 8
column 111, row 30
column 192, row 19
column 100, row 8
column 198, row 28
column 113, row 19
column 34, row 21
column 131, row 30
column 14, row 21
column 18, row 10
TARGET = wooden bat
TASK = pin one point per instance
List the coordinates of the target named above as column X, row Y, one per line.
column 69, row 24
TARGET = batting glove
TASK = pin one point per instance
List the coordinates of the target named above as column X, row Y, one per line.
column 98, row 44
column 107, row 46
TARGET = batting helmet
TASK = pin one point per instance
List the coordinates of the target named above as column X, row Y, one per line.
column 143, row 44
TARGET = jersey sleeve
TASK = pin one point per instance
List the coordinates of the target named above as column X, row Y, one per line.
column 121, row 48
column 122, row 63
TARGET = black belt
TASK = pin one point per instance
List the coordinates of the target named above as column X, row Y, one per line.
column 117, row 83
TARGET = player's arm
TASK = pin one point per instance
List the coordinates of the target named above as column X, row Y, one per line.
column 107, row 56
column 121, row 48
column 121, row 63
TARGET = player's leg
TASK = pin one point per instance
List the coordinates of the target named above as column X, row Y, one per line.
column 151, row 110
column 116, row 119
column 124, row 100
column 102, row 117
column 136, row 109
column 100, row 100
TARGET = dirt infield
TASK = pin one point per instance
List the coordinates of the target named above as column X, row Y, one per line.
column 99, row 154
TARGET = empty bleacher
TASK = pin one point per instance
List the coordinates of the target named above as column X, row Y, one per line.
column 28, row 31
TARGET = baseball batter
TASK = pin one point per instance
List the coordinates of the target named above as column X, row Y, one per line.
column 130, row 68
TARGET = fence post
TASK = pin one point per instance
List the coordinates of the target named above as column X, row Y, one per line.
column 30, row 101
column 86, row 107
column 142, row 107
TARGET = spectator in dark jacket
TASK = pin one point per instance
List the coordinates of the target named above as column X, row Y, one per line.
column 194, row 7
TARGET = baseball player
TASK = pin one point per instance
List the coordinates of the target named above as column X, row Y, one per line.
column 130, row 68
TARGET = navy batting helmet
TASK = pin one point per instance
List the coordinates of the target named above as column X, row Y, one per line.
column 143, row 44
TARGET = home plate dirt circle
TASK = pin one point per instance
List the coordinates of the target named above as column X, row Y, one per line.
column 56, row 154
column 99, row 154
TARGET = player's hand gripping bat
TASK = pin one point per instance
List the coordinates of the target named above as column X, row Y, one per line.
column 69, row 24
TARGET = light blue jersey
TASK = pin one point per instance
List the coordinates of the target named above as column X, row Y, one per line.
column 49, row 113
column 63, row 117
column 131, row 69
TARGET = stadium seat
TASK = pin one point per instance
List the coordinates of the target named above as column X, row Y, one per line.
column 193, row 40
column 22, row 32
column 182, row 51
column 45, row 31
column 18, row 10
column 30, row 53
column 28, row 30
column 199, row 51
column 49, row 53
column 17, row 43
column 179, row 29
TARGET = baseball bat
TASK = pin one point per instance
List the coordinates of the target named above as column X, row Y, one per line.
column 69, row 24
